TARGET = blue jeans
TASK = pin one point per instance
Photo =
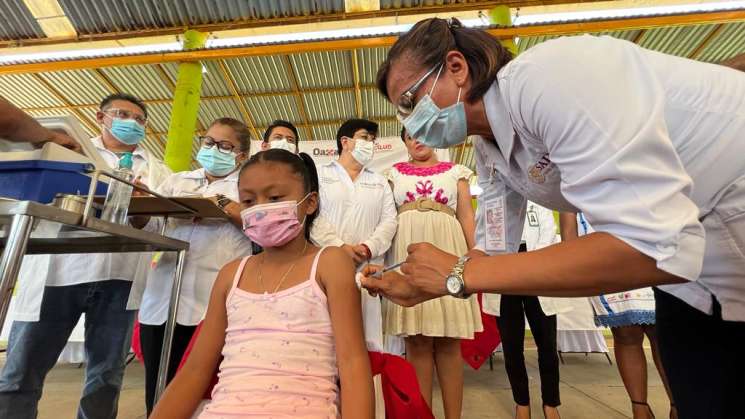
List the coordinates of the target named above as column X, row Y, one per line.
column 34, row 348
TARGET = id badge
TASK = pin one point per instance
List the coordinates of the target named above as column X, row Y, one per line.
column 532, row 218
column 495, row 225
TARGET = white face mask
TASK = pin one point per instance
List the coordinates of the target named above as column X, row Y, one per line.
column 283, row 144
column 363, row 151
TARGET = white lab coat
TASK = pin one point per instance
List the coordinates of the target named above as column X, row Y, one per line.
column 61, row 270
column 539, row 231
column 357, row 212
column 623, row 134
column 212, row 244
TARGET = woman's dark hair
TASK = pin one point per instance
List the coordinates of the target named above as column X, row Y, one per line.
column 301, row 164
column 240, row 129
column 429, row 41
column 403, row 134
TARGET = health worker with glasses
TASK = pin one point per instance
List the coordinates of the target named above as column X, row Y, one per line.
column 648, row 146
column 55, row 291
column 213, row 243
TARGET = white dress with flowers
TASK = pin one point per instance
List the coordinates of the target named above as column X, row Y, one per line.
column 445, row 316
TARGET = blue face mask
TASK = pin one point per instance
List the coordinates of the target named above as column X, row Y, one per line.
column 435, row 127
column 216, row 162
column 127, row 131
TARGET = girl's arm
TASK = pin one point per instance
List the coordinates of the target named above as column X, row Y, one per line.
column 336, row 273
column 568, row 226
column 464, row 212
column 184, row 393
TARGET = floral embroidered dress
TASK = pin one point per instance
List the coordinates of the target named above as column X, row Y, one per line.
column 435, row 224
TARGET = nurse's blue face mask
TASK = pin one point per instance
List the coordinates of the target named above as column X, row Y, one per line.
column 218, row 158
column 430, row 125
column 129, row 130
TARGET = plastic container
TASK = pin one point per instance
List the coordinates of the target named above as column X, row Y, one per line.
column 116, row 206
column 42, row 180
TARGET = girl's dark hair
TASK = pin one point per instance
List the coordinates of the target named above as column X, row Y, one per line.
column 301, row 164
column 429, row 41
column 403, row 134
column 240, row 129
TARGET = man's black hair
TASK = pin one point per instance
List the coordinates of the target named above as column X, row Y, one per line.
column 348, row 128
column 123, row 96
column 280, row 123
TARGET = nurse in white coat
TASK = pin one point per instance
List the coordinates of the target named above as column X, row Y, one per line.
column 648, row 146
column 539, row 231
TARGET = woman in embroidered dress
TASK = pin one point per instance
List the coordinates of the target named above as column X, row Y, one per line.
column 434, row 206
column 630, row 315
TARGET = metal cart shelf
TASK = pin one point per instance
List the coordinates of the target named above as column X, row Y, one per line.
column 78, row 234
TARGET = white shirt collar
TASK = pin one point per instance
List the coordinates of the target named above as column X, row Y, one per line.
column 139, row 151
column 336, row 164
column 500, row 121
column 201, row 174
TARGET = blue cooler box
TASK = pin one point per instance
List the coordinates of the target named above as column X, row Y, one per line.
column 41, row 180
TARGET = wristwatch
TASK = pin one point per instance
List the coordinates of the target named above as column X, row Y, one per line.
column 454, row 283
column 222, row 201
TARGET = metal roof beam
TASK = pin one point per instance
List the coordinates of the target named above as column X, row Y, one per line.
column 292, row 77
column 238, row 98
column 59, row 96
column 356, row 78
column 713, row 34
column 568, row 28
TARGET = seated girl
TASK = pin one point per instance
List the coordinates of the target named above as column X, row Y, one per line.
column 287, row 321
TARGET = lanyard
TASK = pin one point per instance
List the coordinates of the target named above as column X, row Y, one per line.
column 583, row 223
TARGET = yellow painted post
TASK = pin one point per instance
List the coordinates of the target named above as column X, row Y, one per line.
column 185, row 107
column 500, row 15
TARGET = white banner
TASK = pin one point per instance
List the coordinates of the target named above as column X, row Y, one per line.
column 388, row 151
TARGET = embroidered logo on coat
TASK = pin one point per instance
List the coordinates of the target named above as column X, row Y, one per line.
column 536, row 174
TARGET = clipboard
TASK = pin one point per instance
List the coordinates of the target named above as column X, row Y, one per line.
column 153, row 206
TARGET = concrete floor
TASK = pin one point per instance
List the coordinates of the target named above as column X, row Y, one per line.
column 590, row 388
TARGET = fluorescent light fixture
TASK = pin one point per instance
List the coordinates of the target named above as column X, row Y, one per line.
column 90, row 53
column 520, row 20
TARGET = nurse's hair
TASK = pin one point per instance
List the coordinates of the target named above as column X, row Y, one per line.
column 240, row 129
column 429, row 41
column 301, row 164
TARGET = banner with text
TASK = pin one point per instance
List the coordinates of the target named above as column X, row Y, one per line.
column 388, row 151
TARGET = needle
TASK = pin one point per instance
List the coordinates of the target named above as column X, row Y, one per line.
column 379, row 274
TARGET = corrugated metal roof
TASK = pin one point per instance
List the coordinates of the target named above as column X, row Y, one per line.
column 103, row 16
column 265, row 109
column 259, row 74
column 141, row 80
column 324, row 132
column 81, row 87
column 729, row 42
column 17, row 22
column 322, row 69
column 680, row 40
column 24, row 91
column 374, row 105
column 329, row 106
column 368, row 61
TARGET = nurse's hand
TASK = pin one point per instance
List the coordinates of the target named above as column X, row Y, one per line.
column 393, row 286
column 428, row 267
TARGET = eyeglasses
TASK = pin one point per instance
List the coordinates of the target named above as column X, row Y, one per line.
column 366, row 137
column 125, row 114
column 222, row 146
column 406, row 101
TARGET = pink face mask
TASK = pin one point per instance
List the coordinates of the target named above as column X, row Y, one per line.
column 272, row 225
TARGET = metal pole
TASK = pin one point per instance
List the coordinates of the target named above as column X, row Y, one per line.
column 10, row 264
column 165, row 352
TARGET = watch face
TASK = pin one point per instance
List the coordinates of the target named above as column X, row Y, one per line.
column 453, row 285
